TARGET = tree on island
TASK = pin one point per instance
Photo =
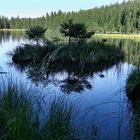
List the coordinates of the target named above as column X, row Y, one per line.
column 77, row 31
column 36, row 33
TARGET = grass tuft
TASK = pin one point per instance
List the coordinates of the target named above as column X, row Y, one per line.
column 20, row 117
column 133, row 85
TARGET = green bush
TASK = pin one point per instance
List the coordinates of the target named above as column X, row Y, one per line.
column 133, row 85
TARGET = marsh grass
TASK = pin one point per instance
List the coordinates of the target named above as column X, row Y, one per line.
column 16, row 115
column 29, row 53
column 133, row 93
column 135, row 37
column 59, row 123
column 92, row 52
column 133, row 85
column 20, row 117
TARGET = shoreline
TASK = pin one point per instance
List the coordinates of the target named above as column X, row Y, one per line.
column 119, row 36
column 98, row 35
column 12, row 29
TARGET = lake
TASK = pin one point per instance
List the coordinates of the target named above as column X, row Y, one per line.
column 100, row 93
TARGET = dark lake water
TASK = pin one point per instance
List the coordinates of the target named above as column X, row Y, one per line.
column 101, row 95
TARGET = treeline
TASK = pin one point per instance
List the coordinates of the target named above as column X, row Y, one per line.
column 4, row 23
column 124, row 17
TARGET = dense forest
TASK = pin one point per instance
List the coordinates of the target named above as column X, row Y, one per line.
column 124, row 17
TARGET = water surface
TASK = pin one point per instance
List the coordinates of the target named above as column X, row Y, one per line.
column 101, row 93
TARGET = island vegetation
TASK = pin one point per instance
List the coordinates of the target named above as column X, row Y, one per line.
column 75, row 50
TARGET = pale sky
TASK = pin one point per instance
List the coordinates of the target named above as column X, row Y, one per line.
column 35, row 8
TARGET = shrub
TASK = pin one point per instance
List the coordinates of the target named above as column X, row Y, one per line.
column 133, row 85
column 36, row 33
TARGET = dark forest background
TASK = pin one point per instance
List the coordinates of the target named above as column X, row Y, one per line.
column 124, row 18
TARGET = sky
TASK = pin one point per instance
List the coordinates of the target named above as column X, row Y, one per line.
column 36, row 8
